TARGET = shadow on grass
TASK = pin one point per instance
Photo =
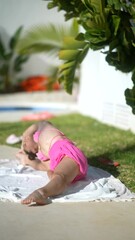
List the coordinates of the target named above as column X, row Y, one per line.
column 95, row 160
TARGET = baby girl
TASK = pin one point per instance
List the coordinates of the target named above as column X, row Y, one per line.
column 46, row 148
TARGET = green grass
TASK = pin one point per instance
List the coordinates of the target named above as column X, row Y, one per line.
column 95, row 139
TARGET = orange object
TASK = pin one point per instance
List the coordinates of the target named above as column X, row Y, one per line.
column 38, row 116
column 107, row 161
column 38, row 83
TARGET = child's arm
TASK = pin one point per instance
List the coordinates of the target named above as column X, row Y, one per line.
column 33, row 128
column 36, row 164
column 27, row 136
column 28, row 142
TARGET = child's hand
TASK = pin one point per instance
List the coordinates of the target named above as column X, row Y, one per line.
column 23, row 157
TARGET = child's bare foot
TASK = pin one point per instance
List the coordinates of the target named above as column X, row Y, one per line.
column 35, row 197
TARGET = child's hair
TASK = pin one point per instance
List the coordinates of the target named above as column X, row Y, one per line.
column 31, row 155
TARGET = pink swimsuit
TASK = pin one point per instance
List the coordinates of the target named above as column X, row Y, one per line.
column 61, row 148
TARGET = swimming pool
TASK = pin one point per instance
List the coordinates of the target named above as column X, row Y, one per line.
column 29, row 108
column 11, row 113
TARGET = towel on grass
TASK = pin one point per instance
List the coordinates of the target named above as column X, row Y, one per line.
column 38, row 116
column 17, row 182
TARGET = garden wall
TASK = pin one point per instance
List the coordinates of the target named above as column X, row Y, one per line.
column 102, row 92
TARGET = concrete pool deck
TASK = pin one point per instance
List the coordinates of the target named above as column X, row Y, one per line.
column 58, row 221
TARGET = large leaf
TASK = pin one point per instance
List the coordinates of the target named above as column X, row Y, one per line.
column 130, row 94
column 68, row 69
column 45, row 38
column 115, row 23
column 55, row 39
column 2, row 50
column 19, row 60
column 10, row 61
column 130, row 98
column 4, row 69
column 72, row 43
column 68, row 54
column 15, row 38
column 72, row 59
column 67, row 75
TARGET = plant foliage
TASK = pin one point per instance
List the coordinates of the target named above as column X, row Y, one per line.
column 44, row 38
column 53, row 39
column 106, row 23
column 10, row 62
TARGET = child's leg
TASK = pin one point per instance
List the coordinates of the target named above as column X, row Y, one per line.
column 50, row 174
column 62, row 176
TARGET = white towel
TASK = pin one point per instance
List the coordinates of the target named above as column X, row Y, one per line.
column 17, row 182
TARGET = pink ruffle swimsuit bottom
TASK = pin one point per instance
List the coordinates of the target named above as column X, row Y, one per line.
column 60, row 149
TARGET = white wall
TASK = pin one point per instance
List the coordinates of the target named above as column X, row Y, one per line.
column 102, row 92
column 26, row 13
column 14, row 13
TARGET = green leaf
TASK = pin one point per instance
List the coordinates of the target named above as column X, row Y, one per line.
column 74, row 28
column 19, row 60
column 68, row 54
column 8, row 56
column 71, row 43
column 4, row 69
column 130, row 98
column 68, row 80
column 68, row 84
column 44, row 38
column 80, row 37
column 40, row 47
column 14, row 40
column 133, row 76
column 114, row 44
column 83, row 53
column 97, row 38
column 66, row 65
column 116, row 23
column 133, row 29
column 2, row 50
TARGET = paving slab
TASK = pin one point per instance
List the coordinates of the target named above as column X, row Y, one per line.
column 69, row 221
column 57, row 221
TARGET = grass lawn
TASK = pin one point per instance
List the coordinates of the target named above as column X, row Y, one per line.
column 95, row 139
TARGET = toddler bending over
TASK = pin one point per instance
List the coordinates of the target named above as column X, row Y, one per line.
column 46, row 148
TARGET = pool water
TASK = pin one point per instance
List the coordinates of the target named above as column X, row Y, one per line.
column 32, row 108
